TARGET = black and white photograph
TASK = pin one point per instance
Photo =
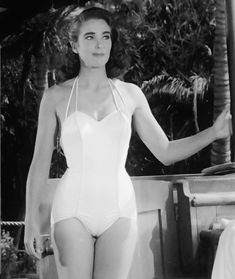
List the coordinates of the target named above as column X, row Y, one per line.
column 117, row 139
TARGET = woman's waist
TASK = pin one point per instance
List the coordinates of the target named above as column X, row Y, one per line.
column 99, row 174
column 93, row 169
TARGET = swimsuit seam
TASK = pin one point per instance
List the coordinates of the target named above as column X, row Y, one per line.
column 118, row 187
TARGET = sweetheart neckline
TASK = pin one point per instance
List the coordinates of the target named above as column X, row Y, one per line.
column 92, row 118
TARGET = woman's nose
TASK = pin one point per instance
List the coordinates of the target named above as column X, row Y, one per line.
column 98, row 44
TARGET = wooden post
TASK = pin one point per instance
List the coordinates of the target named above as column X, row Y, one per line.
column 231, row 63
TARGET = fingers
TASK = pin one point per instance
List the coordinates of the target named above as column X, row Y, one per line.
column 32, row 252
column 38, row 248
column 223, row 123
column 226, row 113
column 227, row 107
column 226, row 110
column 223, row 114
column 33, row 248
column 228, row 117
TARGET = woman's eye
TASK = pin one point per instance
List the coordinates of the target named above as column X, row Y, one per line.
column 107, row 37
column 89, row 37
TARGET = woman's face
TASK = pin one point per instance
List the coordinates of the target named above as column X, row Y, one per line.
column 94, row 43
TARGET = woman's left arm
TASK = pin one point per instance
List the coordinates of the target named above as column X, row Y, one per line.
column 169, row 152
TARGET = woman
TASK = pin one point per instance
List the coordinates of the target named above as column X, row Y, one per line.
column 224, row 263
column 93, row 216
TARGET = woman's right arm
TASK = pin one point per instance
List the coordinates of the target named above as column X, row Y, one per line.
column 39, row 170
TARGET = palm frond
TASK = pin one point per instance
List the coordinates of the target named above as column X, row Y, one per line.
column 180, row 90
column 199, row 87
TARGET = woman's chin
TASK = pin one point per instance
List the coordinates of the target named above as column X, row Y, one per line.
column 96, row 65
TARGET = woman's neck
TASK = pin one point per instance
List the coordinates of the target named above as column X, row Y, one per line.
column 92, row 78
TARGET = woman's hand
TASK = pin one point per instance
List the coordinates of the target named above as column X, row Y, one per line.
column 32, row 239
column 223, row 125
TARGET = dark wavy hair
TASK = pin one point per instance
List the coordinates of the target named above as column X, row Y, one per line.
column 119, row 60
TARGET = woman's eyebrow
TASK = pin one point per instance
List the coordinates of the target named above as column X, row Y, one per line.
column 93, row 33
column 107, row 32
column 89, row 33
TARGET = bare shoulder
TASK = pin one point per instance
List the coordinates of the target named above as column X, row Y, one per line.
column 130, row 88
column 59, row 91
column 56, row 95
column 132, row 91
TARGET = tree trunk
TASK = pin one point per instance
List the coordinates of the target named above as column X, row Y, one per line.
column 231, row 60
column 221, row 152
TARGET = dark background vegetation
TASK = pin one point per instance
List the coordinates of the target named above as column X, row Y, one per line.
column 171, row 52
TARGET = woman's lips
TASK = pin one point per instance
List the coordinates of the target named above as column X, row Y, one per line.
column 98, row 54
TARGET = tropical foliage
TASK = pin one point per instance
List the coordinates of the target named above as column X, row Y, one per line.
column 14, row 262
column 8, row 254
column 175, row 43
column 170, row 47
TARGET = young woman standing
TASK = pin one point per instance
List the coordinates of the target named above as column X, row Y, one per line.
column 93, row 215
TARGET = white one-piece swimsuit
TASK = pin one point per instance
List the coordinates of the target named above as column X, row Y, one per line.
column 95, row 188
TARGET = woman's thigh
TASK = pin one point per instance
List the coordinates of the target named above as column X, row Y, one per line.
column 114, row 250
column 75, row 248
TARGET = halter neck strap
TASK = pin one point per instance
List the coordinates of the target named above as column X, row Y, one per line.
column 70, row 97
column 115, row 89
column 76, row 95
